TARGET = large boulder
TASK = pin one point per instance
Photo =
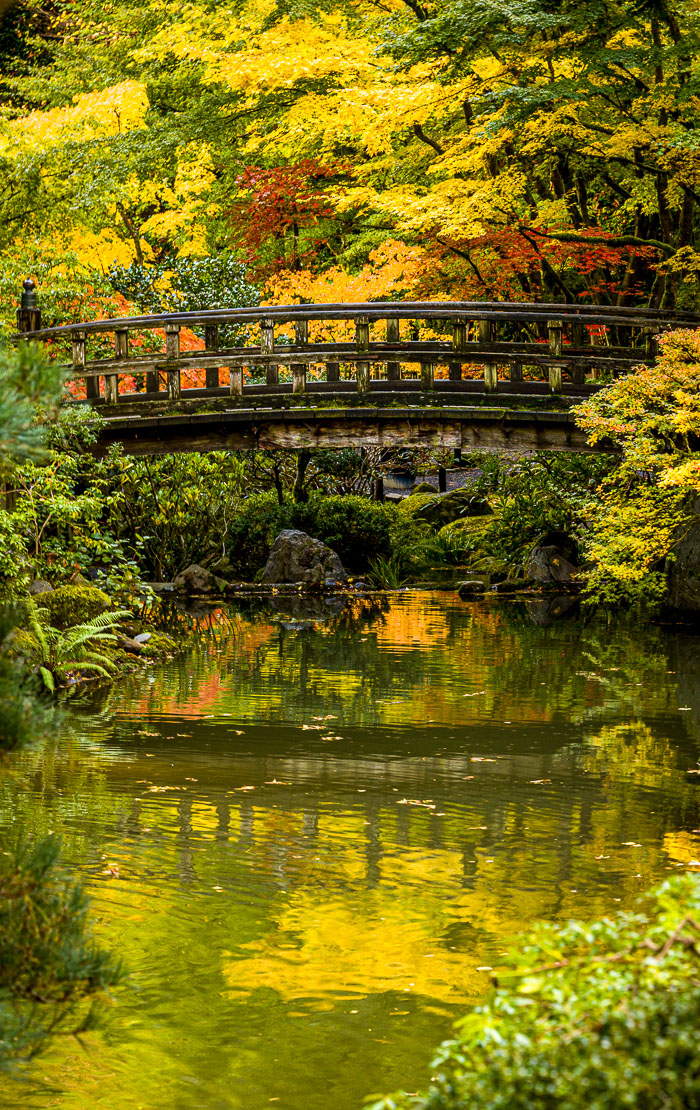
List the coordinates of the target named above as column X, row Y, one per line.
column 296, row 557
column 684, row 572
column 198, row 580
column 547, row 566
column 553, row 559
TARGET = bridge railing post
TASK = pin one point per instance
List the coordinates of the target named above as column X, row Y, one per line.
column 651, row 342
column 393, row 336
column 490, row 367
column 578, row 371
column 121, row 352
column 332, row 371
column 28, row 313
column 79, row 352
column 362, row 345
column 459, row 343
column 172, row 353
column 427, row 375
column 267, row 347
column 555, row 329
column 211, row 343
column 235, row 377
column 300, row 370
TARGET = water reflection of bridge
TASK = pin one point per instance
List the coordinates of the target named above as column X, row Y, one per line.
column 450, row 374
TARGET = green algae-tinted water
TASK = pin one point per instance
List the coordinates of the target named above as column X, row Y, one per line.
column 310, row 839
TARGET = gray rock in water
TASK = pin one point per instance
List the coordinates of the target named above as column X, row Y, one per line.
column 130, row 646
column 197, row 580
column 142, row 638
column 684, row 572
column 296, row 557
column 40, row 586
column 547, row 565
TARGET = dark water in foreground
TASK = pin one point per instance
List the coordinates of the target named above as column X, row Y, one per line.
column 310, row 844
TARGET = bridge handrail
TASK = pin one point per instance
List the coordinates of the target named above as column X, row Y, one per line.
column 497, row 311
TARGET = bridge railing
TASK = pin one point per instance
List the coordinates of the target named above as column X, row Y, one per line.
column 391, row 346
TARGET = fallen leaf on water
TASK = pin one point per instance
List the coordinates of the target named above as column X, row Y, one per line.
column 538, row 782
column 188, row 778
column 145, row 732
column 631, row 844
column 277, row 782
column 481, row 759
column 245, row 788
column 162, row 789
column 310, row 728
column 475, row 828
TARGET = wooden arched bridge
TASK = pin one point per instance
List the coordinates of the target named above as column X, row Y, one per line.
column 452, row 374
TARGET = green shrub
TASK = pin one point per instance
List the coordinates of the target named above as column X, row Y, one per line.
column 359, row 530
column 69, row 605
column 602, row 1015
column 252, row 532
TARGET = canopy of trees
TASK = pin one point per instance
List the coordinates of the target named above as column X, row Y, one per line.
column 526, row 150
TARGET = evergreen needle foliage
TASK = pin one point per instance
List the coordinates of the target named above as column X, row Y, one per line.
column 52, row 976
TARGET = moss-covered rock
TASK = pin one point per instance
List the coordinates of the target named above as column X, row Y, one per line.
column 445, row 508
column 423, row 487
column 466, row 528
column 74, row 604
column 160, row 645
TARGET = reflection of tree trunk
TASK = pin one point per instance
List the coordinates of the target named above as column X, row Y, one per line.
column 247, row 815
column 186, row 855
column 223, row 812
column 373, row 845
column 469, row 865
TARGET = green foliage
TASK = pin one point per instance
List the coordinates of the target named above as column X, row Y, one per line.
column 253, row 529
column 60, row 654
column 387, row 572
column 74, row 604
column 52, row 975
column 356, row 528
column 652, row 416
column 601, row 1015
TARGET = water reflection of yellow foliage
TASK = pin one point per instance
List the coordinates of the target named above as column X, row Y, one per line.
column 683, row 847
column 364, row 943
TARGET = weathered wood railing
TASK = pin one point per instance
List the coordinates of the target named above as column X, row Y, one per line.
column 530, row 348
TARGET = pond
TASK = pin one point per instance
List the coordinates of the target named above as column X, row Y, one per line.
column 312, row 837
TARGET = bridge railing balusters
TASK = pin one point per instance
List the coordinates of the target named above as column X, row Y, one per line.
column 235, row 382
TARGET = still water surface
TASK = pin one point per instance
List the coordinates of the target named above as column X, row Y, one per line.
column 308, row 839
